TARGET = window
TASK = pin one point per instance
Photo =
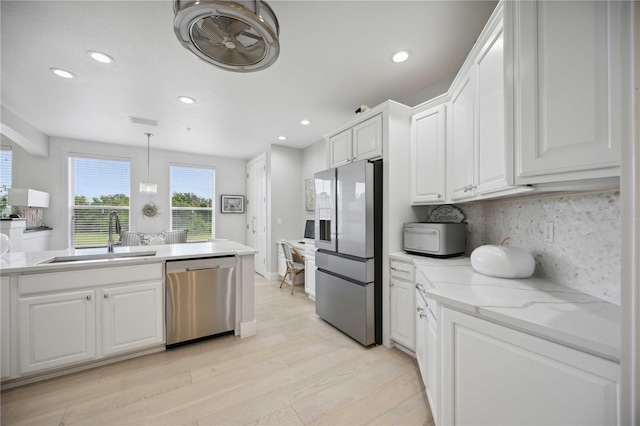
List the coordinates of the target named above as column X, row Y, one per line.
column 5, row 180
column 192, row 201
column 97, row 186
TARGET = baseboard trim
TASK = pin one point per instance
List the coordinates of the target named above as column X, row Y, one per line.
column 248, row 329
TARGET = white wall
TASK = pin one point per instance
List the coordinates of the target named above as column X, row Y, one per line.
column 285, row 189
column 50, row 175
column 314, row 159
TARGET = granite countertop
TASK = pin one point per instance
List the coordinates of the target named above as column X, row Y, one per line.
column 534, row 305
column 25, row 262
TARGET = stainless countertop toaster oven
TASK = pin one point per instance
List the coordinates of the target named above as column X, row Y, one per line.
column 435, row 239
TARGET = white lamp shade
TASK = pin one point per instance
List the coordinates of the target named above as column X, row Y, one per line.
column 28, row 198
column 148, row 187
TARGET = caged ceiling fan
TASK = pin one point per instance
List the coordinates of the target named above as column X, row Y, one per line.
column 239, row 36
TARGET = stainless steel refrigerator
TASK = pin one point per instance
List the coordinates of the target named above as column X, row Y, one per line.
column 348, row 236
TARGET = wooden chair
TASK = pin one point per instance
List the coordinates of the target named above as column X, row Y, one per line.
column 294, row 261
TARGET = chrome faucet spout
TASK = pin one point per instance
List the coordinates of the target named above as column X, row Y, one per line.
column 113, row 217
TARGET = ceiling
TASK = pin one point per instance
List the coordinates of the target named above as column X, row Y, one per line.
column 335, row 56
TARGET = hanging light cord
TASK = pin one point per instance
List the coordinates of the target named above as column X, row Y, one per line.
column 148, row 153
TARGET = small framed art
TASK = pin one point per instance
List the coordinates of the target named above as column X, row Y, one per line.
column 232, row 203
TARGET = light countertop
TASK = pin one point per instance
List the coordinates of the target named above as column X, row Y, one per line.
column 25, row 262
column 534, row 305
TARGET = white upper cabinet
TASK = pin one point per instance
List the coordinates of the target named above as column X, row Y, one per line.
column 428, row 131
column 479, row 137
column 493, row 150
column 360, row 142
column 340, row 148
column 567, row 81
column 460, row 144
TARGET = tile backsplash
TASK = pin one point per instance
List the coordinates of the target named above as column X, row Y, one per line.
column 585, row 253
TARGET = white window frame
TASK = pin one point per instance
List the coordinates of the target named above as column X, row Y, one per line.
column 190, row 235
column 106, row 209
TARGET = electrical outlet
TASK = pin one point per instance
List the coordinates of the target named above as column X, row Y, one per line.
column 548, row 231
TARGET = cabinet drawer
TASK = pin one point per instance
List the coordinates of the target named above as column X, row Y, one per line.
column 402, row 270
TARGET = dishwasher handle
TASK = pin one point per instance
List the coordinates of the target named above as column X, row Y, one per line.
column 191, row 265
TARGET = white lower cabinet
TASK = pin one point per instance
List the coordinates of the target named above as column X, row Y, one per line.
column 495, row 375
column 132, row 317
column 66, row 318
column 56, row 330
column 402, row 313
column 427, row 344
column 310, row 270
column 402, row 304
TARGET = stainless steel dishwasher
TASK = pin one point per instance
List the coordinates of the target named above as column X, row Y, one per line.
column 200, row 298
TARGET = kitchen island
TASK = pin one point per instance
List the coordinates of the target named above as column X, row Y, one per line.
column 64, row 310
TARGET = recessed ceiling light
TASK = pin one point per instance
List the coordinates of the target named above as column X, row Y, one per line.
column 187, row 100
column 400, row 56
column 62, row 73
column 282, row 138
column 100, row 57
column 305, row 122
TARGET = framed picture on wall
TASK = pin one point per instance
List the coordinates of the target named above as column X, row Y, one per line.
column 232, row 203
column 309, row 194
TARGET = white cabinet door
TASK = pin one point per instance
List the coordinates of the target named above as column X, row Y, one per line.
column 310, row 270
column 428, row 130
column 367, row 139
column 461, row 140
column 5, row 327
column 56, row 330
column 431, row 362
column 132, row 317
column 567, row 80
column 421, row 335
column 493, row 153
column 340, row 148
column 403, row 308
column 310, row 277
column 494, row 375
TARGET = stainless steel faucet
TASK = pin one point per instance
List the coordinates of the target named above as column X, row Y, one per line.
column 113, row 215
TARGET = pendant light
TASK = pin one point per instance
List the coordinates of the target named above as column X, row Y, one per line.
column 148, row 187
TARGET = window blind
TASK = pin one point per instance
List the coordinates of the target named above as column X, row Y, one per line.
column 6, row 167
column 97, row 186
column 192, row 195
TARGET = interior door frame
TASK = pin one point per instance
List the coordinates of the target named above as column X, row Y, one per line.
column 257, row 213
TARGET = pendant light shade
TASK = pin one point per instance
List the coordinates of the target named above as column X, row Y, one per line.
column 148, row 187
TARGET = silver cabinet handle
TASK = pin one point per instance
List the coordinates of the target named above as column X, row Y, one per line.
column 106, row 295
column 393, row 268
column 89, row 297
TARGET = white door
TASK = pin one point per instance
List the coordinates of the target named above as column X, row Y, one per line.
column 491, row 154
column 56, row 330
column 257, row 212
column 428, row 156
column 340, row 148
column 460, row 140
column 403, row 319
column 494, row 375
column 567, row 80
column 132, row 317
column 367, row 139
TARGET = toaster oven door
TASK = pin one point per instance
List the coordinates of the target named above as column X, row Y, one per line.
column 422, row 240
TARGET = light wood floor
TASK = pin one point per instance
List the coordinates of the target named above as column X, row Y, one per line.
column 296, row 370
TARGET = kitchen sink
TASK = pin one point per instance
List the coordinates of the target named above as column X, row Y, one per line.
column 97, row 256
